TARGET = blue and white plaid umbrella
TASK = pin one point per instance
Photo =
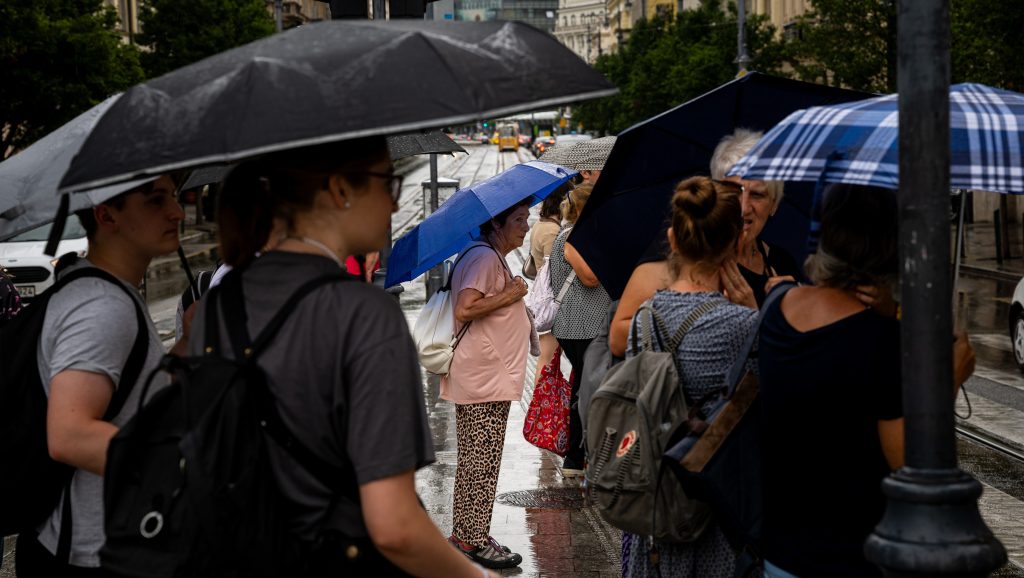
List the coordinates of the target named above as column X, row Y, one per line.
column 857, row 143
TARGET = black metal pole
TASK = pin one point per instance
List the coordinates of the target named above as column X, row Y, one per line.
column 931, row 526
column 742, row 59
column 435, row 275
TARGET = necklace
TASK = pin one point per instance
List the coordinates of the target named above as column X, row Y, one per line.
column 323, row 248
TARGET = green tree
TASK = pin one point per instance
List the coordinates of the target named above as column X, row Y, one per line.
column 987, row 42
column 668, row 61
column 852, row 43
column 849, row 43
column 179, row 33
column 58, row 58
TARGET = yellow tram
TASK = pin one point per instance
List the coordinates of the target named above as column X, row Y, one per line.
column 508, row 136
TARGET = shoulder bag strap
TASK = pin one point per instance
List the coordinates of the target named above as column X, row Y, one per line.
column 572, row 272
column 739, row 366
column 451, row 274
column 565, row 286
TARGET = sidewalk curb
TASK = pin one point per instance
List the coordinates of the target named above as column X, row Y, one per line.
column 193, row 257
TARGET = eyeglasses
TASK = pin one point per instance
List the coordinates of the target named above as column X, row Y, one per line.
column 394, row 181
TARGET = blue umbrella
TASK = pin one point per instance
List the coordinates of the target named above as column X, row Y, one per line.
column 458, row 220
column 857, row 143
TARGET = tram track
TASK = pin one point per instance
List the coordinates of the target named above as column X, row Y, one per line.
column 991, row 443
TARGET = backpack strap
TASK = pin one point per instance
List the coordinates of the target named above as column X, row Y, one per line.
column 739, row 366
column 129, row 375
column 656, row 325
column 229, row 292
column 140, row 349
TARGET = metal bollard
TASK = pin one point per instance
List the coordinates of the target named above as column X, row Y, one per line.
column 435, row 278
column 998, row 223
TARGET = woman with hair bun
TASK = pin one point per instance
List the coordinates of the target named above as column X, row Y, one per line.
column 708, row 291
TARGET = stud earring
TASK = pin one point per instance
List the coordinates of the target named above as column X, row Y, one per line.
column 348, row 205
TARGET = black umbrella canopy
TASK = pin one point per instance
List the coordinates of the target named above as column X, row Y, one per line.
column 421, row 143
column 330, row 81
column 628, row 209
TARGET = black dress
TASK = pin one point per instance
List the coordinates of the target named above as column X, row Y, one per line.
column 777, row 263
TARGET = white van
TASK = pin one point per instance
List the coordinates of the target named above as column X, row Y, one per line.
column 31, row 270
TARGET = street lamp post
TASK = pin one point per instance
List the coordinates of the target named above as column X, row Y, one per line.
column 931, row 525
column 742, row 59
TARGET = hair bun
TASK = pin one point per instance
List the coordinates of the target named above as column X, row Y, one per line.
column 696, row 197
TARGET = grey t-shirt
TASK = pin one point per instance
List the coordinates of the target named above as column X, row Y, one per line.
column 91, row 326
column 344, row 371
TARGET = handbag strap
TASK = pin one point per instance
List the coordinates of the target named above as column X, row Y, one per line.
column 565, row 286
column 572, row 272
column 739, row 366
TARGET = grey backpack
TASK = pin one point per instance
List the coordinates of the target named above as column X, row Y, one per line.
column 631, row 417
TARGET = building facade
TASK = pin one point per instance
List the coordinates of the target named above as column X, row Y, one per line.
column 297, row 12
column 782, row 13
column 581, row 25
column 128, row 14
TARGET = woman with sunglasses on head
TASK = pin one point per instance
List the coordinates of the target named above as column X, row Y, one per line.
column 343, row 369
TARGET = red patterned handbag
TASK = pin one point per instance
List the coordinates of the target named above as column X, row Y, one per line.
column 547, row 420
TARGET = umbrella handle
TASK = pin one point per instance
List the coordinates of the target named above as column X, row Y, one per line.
column 188, row 270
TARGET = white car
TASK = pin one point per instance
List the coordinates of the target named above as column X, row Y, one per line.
column 30, row 269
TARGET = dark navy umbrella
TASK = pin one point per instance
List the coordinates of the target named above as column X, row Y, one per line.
column 327, row 82
column 457, row 221
column 629, row 206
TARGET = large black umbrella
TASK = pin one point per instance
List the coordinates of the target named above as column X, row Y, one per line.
column 629, row 206
column 330, row 81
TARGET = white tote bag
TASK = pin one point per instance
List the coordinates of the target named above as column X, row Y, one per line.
column 434, row 332
column 543, row 303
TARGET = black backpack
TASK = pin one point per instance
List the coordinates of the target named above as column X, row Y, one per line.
column 189, row 490
column 194, row 293
column 32, row 482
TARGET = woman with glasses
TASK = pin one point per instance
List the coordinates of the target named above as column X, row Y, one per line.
column 343, row 369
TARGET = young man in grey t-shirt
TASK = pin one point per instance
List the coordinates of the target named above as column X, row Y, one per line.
column 87, row 335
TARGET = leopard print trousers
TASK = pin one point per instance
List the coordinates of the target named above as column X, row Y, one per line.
column 480, row 431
